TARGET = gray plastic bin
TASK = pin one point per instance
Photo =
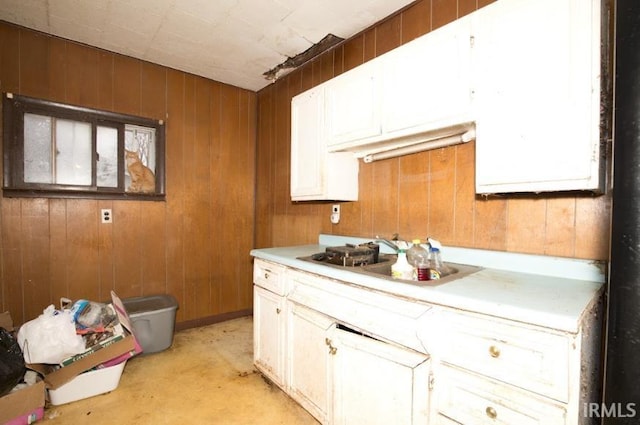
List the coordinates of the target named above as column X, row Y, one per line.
column 153, row 318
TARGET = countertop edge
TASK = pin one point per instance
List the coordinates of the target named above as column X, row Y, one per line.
column 513, row 295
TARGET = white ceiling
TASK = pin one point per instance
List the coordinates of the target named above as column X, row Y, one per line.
column 231, row 41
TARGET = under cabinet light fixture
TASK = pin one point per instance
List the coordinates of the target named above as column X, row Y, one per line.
column 422, row 146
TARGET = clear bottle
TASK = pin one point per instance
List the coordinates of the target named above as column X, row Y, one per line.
column 419, row 258
column 401, row 269
column 437, row 263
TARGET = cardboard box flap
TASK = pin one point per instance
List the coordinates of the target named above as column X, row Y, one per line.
column 123, row 317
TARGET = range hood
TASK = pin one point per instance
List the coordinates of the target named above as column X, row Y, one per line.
column 405, row 144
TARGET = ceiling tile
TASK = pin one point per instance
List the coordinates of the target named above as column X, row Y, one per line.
column 231, row 41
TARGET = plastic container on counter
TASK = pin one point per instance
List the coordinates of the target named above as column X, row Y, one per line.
column 401, row 269
column 419, row 258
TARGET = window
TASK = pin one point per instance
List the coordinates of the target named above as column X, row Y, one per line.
column 57, row 150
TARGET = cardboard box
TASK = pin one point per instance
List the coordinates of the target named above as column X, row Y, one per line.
column 118, row 334
column 111, row 355
column 23, row 406
column 87, row 384
column 6, row 321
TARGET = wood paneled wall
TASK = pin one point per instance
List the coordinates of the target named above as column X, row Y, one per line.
column 194, row 245
column 420, row 195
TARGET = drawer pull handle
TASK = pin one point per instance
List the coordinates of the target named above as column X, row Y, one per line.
column 494, row 351
column 491, row 412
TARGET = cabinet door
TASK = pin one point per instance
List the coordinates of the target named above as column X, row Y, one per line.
column 315, row 173
column 378, row 383
column 427, row 82
column 308, row 355
column 537, row 101
column 307, row 147
column 269, row 334
column 353, row 106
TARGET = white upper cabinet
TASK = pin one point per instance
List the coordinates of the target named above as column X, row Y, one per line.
column 353, row 106
column 317, row 174
column 526, row 73
column 537, row 96
column 427, row 82
column 421, row 86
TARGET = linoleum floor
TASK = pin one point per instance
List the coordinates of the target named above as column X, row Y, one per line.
column 206, row 377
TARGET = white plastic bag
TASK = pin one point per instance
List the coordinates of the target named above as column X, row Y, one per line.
column 50, row 338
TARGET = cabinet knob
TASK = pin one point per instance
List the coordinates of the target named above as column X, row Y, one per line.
column 494, row 351
column 266, row 275
column 278, row 310
column 491, row 412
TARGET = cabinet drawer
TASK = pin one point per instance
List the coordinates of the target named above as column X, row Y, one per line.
column 528, row 357
column 269, row 276
column 471, row 399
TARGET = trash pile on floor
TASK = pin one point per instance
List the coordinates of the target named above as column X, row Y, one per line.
column 69, row 354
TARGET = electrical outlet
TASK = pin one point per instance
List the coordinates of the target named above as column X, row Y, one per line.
column 106, row 215
column 335, row 213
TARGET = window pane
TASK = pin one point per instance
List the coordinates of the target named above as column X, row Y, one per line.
column 37, row 149
column 107, row 138
column 140, row 155
column 73, row 152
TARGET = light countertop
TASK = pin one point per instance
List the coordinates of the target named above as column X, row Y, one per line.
column 545, row 291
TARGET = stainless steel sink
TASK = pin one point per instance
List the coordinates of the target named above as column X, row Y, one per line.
column 382, row 269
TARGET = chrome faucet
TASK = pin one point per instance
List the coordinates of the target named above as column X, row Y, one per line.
column 390, row 243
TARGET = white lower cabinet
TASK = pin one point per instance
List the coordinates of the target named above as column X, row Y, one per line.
column 350, row 355
column 343, row 377
column 496, row 371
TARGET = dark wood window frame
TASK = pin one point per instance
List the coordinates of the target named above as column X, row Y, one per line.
column 14, row 109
